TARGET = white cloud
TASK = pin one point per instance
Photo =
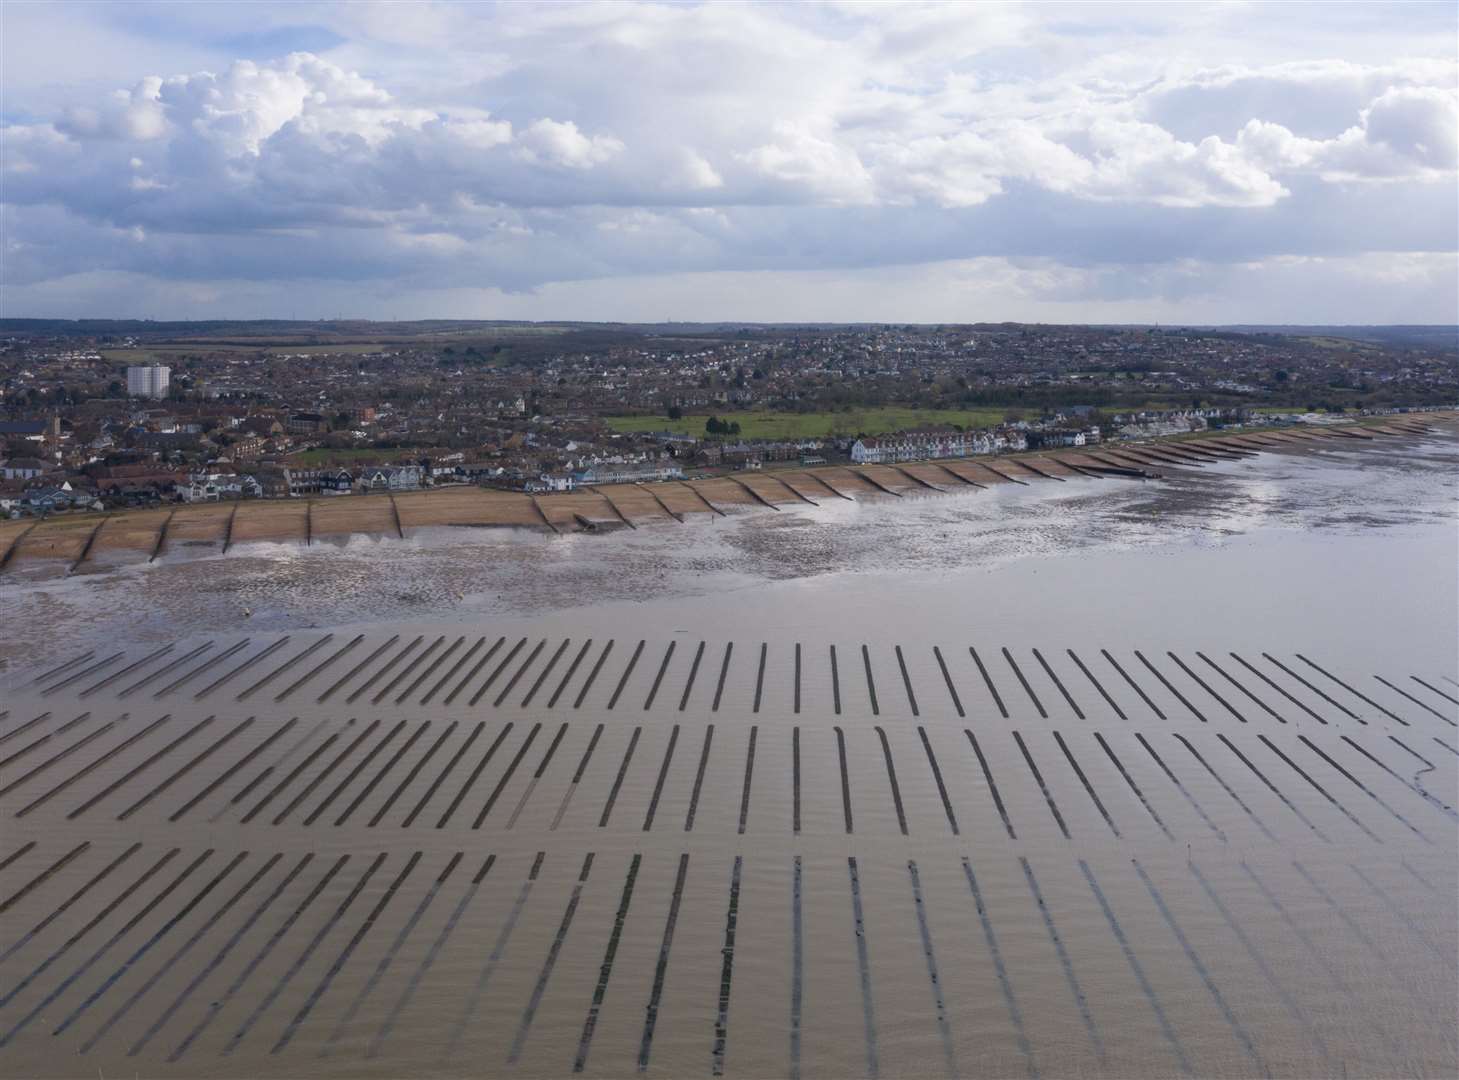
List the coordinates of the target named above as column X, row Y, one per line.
column 529, row 144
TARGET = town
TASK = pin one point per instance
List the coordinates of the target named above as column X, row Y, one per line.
column 98, row 416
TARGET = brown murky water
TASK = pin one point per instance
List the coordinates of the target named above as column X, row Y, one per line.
column 1198, row 817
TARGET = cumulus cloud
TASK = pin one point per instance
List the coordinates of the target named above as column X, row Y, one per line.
column 525, row 145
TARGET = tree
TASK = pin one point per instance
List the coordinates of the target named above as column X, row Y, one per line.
column 675, row 413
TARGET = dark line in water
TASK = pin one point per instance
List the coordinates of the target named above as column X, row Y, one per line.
column 1048, row 795
column 1191, row 954
column 215, row 1007
column 947, row 678
column 760, row 676
column 501, row 784
column 194, row 672
column 59, row 755
column 689, row 682
column 797, row 968
column 475, row 669
column 42, row 718
column 593, row 674
column 303, row 654
column 1416, row 701
column 1004, row 983
column 1229, row 791
column 577, row 777
column 41, row 878
column 1102, row 691
column 517, row 675
column 726, row 973
column 1205, row 686
column 699, row 778
column 870, row 682
column 795, row 778
column 845, row 778
column 723, row 671
column 265, row 773
column 490, row 679
column 136, row 770
column 572, row 669
column 651, row 1011
column 389, row 958
column 605, row 969
column 1133, row 787
column 186, row 994
column 432, row 667
column 537, row 775
column 663, row 667
column 797, row 678
column 835, row 684
column 749, row 776
column 1336, row 705
column 95, row 920
column 450, row 674
column 327, row 662
column 1273, row 787
column 1415, row 788
column 384, row 771
column 1166, row 683
column 53, row 672
column 353, row 775
column 931, row 957
column 1362, row 787
column 992, row 786
column 347, row 676
column 906, row 679
column 181, row 951
column 623, row 680
column 892, row 778
column 1179, row 786
column 1446, row 746
column 427, row 961
column 1430, row 886
column 1257, row 957
column 447, row 769
column 618, row 780
column 653, row 803
column 83, row 673
column 1222, row 672
column 262, row 654
column 1037, row 704
column 1356, row 693
column 385, row 669
column 471, row 778
column 405, row 672
column 1080, row 999
column 936, row 775
column 198, row 758
column 133, row 666
column 1417, row 931
column 1139, row 972
column 324, row 773
column 863, row 963
column 35, row 743
column 547, row 965
column 1320, row 789
column 1050, row 672
column 1334, row 976
column 106, row 946
column 85, row 769
column 1435, row 689
column 1087, row 785
column 302, row 959
column 1133, row 684
column 101, row 876
column 412, row 773
column 1278, row 689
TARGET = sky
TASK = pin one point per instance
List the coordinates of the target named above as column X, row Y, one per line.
column 1178, row 162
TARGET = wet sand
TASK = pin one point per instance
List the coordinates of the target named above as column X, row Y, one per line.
column 1098, row 779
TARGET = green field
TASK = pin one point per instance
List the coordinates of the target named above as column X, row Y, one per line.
column 762, row 424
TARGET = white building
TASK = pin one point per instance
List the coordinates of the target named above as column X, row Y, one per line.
column 150, row 381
